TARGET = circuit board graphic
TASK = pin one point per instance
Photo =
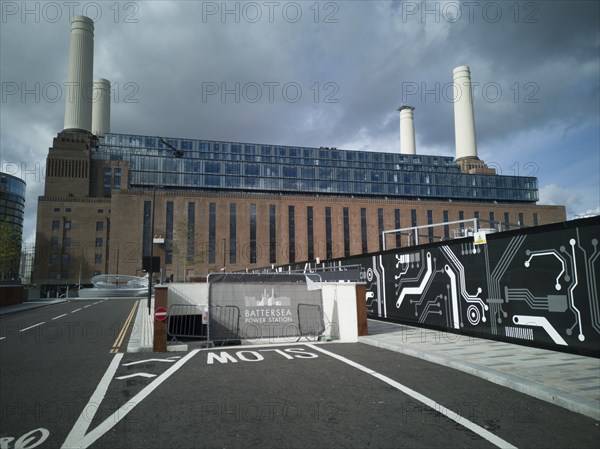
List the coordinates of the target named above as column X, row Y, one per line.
column 538, row 285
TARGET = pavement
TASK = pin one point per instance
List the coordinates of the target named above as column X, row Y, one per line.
column 29, row 305
column 567, row 380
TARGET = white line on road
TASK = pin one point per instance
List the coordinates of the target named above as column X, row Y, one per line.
column 129, row 376
column 59, row 316
column 149, row 360
column 76, row 310
column 494, row 439
column 30, row 327
column 83, row 422
column 117, row 416
column 2, row 338
column 89, row 305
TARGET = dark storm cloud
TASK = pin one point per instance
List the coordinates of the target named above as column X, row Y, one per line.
column 332, row 76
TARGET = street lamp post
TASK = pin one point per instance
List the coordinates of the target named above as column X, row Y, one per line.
column 177, row 154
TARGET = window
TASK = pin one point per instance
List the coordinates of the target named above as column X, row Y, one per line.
column 430, row 221
column 535, row 219
column 461, row 216
column 55, row 225
column 346, row 232
column 68, row 209
column 66, row 258
column 521, row 219
column 292, row 234
column 54, row 242
column 191, row 232
column 310, row 235
column 117, row 179
column 99, row 242
column 146, row 237
column 507, row 220
column 169, row 234
column 57, row 209
column 380, row 227
column 328, row 239
column 492, row 220
column 446, row 227
column 232, row 233
column 66, row 241
column 67, row 224
column 363, row 229
column 99, row 226
column 98, row 258
column 413, row 217
column 397, row 226
column 253, row 233
column 272, row 234
column 106, row 184
column 212, row 232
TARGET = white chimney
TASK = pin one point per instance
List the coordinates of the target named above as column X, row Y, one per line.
column 101, row 107
column 78, row 110
column 464, row 122
column 407, row 130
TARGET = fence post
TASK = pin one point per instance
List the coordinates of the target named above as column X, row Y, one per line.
column 161, row 293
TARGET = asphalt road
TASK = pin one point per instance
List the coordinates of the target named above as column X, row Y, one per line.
column 49, row 371
column 330, row 395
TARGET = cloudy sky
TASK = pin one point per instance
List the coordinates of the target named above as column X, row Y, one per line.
column 329, row 73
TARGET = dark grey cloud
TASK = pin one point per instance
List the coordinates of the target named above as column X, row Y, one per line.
column 537, row 67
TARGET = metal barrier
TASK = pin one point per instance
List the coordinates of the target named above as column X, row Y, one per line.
column 187, row 321
column 310, row 321
column 217, row 324
column 224, row 324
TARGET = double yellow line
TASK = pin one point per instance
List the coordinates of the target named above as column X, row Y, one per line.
column 119, row 341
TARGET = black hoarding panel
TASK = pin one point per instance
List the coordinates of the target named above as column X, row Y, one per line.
column 537, row 286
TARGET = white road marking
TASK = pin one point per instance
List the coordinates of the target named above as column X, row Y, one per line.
column 89, row 305
column 129, row 376
column 59, row 316
column 494, row 439
column 76, row 310
column 83, row 422
column 117, row 416
column 2, row 338
column 148, row 360
column 30, row 327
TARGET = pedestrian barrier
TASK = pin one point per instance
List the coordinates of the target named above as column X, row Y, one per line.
column 187, row 321
column 310, row 321
column 224, row 324
column 215, row 325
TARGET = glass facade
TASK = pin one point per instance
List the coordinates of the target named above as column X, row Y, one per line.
column 214, row 165
column 12, row 200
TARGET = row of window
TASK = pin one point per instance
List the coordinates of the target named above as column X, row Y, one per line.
column 68, row 210
column 230, row 247
column 322, row 154
column 212, row 165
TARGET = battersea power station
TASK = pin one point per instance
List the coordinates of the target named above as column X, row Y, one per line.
column 202, row 205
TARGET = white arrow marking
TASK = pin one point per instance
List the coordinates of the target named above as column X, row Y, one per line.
column 148, row 360
column 129, row 376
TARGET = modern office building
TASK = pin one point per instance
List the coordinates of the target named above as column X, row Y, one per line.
column 231, row 205
column 12, row 212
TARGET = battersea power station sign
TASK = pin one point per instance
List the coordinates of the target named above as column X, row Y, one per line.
column 270, row 306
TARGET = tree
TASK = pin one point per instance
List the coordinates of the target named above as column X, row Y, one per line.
column 10, row 249
column 185, row 250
